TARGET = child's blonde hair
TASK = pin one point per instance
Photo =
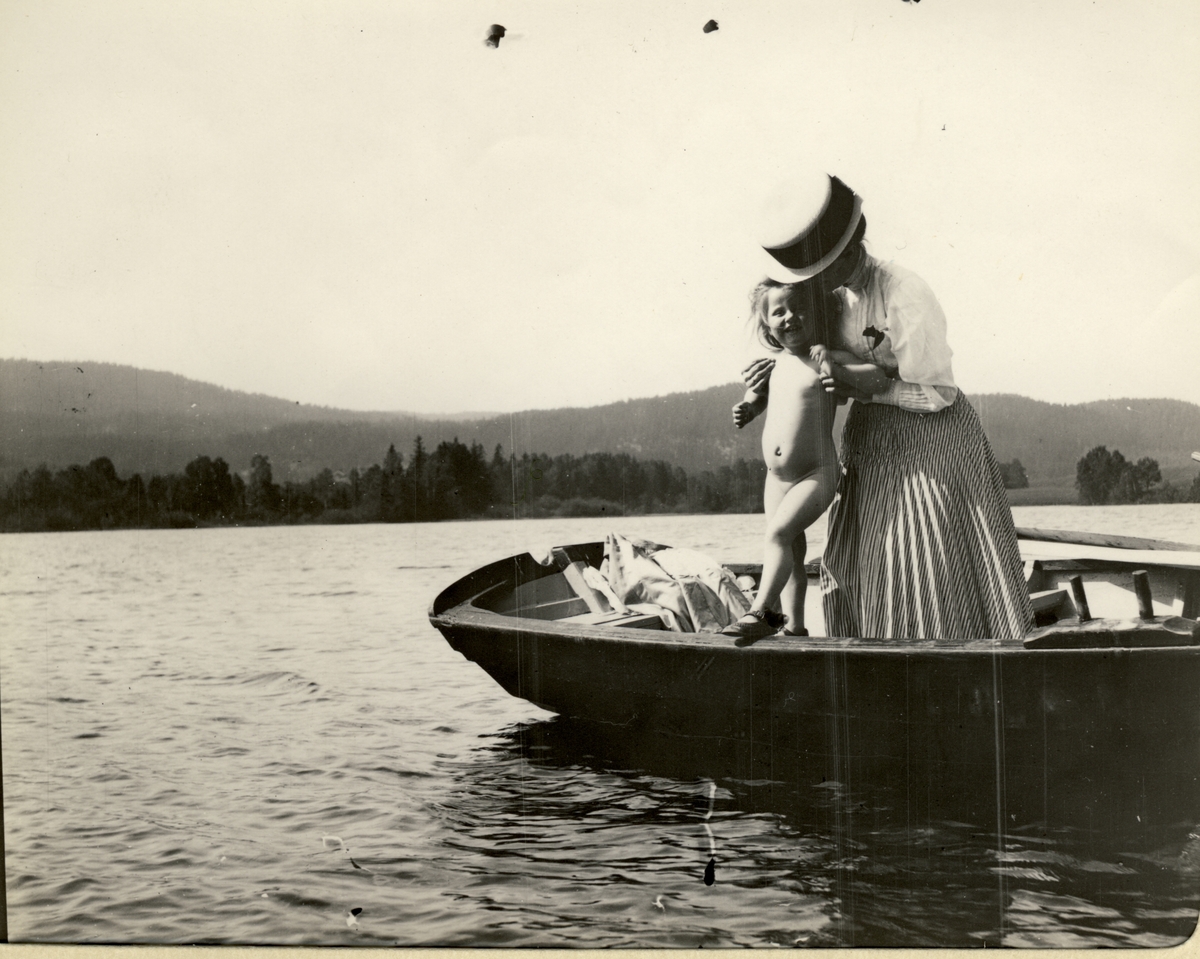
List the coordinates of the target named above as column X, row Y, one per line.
column 807, row 296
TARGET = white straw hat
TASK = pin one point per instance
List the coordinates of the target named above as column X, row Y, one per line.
column 806, row 225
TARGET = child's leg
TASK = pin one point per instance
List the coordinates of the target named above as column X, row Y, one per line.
column 798, row 508
column 796, row 587
column 774, row 491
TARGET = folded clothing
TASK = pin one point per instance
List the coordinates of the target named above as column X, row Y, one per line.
column 700, row 593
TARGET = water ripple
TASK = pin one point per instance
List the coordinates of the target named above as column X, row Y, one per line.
column 190, row 714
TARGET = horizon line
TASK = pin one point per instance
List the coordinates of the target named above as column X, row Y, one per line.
column 476, row 415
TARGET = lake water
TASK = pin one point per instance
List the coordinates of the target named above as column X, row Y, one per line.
column 240, row 735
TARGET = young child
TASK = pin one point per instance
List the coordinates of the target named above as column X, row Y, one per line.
column 797, row 444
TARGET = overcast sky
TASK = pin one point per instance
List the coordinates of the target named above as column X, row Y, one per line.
column 359, row 204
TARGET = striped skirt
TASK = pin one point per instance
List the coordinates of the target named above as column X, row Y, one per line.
column 921, row 541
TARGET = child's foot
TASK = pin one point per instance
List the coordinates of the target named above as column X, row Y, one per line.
column 787, row 632
column 755, row 625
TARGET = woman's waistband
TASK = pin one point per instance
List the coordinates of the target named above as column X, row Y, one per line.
column 877, row 431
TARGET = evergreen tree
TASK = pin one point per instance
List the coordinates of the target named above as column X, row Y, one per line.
column 418, row 483
column 136, row 508
column 370, row 486
column 262, row 493
column 501, row 483
column 391, row 488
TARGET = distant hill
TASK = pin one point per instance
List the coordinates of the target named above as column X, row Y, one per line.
column 1049, row 438
column 148, row 422
column 144, row 420
column 693, row 430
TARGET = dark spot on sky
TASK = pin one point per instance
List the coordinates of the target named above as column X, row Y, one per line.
column 495, row 32
column 710, row 26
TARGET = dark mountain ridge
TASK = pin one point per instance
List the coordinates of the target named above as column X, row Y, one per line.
column 146, row 421
column 151, row 422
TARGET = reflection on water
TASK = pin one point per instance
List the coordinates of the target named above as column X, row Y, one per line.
column 817, row 863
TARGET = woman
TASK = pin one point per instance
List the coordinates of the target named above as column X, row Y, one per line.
column 921, row 541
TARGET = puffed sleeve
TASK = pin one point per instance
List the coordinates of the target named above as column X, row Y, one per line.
column 917, row 329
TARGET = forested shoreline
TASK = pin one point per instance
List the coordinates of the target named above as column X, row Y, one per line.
column 453, row 481
column 148, row 422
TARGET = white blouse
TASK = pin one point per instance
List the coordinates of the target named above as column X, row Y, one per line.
column 890, row 317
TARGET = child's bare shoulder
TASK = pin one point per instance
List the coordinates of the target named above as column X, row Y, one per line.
column 794, row 367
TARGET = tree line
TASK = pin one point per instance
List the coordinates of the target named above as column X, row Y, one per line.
column 1104, row 477
column 452, row 481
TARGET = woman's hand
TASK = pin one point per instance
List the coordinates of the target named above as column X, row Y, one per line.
column 844, row 391
column 866, row 378
column 757, row 375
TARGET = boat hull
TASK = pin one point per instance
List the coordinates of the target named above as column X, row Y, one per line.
column 1109, row 733
column 1065, row 727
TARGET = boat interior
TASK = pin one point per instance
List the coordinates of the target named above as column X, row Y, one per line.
column 1101, row 586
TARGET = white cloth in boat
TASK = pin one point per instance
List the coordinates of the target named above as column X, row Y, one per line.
column 890, row 317
column 701, row 595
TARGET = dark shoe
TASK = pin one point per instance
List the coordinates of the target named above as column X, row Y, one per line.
column 754, row 626
column 787, row 632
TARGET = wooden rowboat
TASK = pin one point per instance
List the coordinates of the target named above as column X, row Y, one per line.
column 1103, row 695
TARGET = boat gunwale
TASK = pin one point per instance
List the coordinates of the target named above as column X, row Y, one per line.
column 1109, row 540
column 455, row 607
column 467, row 616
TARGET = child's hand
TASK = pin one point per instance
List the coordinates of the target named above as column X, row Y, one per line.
column 824, row 366
column 743, row 413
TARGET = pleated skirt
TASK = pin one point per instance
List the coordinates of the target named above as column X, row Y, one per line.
column 921, row 542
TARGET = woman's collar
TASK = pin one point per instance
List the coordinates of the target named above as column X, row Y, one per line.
column 857, row 280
